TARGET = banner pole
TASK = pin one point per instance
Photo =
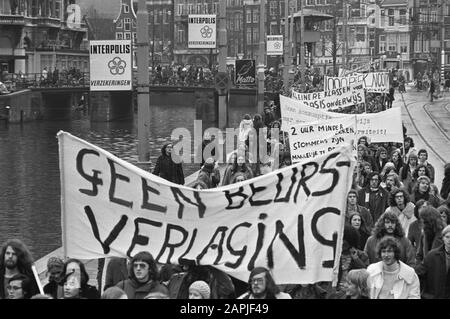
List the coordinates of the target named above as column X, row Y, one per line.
column 36, row 277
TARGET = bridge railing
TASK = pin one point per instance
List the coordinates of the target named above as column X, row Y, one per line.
column 19, row 81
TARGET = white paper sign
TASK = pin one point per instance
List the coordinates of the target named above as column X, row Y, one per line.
column 290, row 221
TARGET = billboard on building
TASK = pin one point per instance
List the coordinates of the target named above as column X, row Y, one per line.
column 202, row 31
column 274, row 45
column 245, row 72
column 110, row 65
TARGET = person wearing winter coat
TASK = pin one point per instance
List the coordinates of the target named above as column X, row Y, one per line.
column 445, row 190
column 402, row 207
column 431, row 236
column 167, row 168
column 422, row 191
column 390, row 278
column 435, row 270
column 406, row 172
column 143, row 277
column 245, row 127
column 374, row 197
column 209, row 174
column 239, row 166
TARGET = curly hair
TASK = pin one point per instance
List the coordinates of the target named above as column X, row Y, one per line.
column 416, row 171
column 431, row 219
column 394, row 192
column 379, row 230
column 24, row 257
column 389, row 242
column 271, row 288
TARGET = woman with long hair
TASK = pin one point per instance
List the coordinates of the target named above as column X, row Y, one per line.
column 356, row 285
column 422, row 190
column 406, row 172
column 396, row 158
column 358, row 223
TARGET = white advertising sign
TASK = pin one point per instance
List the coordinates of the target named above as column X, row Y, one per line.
column 290, row 221
column 202, row 31
column 274, row 45
column 110, row 65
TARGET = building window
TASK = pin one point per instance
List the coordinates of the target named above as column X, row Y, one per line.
column 119, row 24
column 134, row 37
column 127, row 35
column 360, row 34
column 310, row 2
column 180, row 9
column 119, row 36
column 402, row 13
column 273, row 9
column 180, row 36
column 320, row 2
column 249, row 36
column 255, row 16
column 126, row 8
column 249, row 16
column 127, row 24
column 255, row 36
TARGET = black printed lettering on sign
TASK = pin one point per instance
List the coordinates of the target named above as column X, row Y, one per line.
column 114, row 233
column 200, row 206
column 172, row 246
column 94, row 180
column 112, row 188
column 140, row 239
column 241, row 253
column 304, row 179
column 239, row 193
column 145, row 198
column 222, row 231
column 259, row 242
column 331, row 243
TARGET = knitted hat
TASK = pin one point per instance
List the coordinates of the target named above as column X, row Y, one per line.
column 426, row 178
column 201, row 287
column 446, row 230
column 55, row 262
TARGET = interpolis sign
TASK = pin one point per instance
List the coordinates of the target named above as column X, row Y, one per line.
column 202, row 31
column 290, row 220
column 110, row 65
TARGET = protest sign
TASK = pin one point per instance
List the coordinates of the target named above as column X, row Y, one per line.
column 310, row 140
column 333, row 99
column 379, row 127
column 295, row 112
column 374, row 82
column 290, row 221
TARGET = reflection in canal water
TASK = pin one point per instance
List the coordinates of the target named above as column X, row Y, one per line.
column 29, row 168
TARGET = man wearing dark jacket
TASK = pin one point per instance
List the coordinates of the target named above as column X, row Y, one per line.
column 167, row 168
column 143, row 277
column 374, row 197
column 435, row 270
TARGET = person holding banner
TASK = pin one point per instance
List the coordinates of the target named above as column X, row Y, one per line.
column 15, row 258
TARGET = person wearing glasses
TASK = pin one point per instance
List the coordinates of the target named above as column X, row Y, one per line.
column 18, row 287
column 143, row 278
column 374, row 197
column 262, row 286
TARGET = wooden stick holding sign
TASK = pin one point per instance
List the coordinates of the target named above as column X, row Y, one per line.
column 38, row 281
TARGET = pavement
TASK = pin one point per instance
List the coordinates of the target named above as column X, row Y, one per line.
column 428, row 123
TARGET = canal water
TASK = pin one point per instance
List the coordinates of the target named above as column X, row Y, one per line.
column 29, row 167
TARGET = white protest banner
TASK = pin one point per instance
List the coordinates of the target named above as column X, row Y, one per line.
column 110, row 65
column 381, row 127
column 202, row 31
column 333, row 99
column 374, row 82
column 290, row 221
column 295, row 112
column 274, row 45
column 310, row 140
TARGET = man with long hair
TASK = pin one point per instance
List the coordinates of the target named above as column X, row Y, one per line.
column 262, row 286
column 374, row 197
column 390, row 278
column 389, row 225
column 401, row 205
column 15, row 258
column 431, row 236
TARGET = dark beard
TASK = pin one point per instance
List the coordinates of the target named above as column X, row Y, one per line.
column 10, row 265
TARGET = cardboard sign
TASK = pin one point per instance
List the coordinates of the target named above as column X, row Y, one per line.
column 290, row 221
